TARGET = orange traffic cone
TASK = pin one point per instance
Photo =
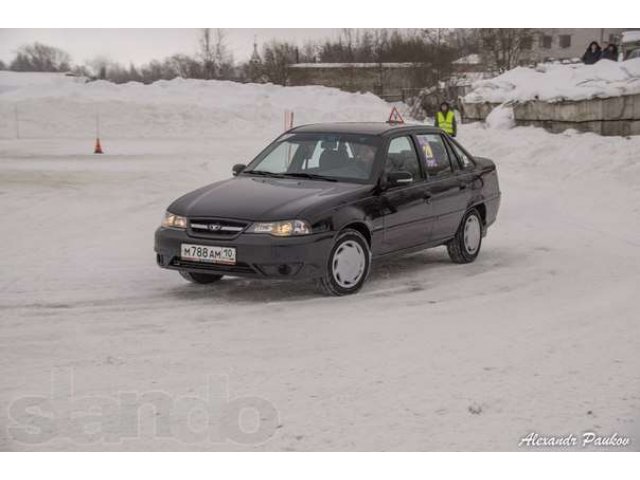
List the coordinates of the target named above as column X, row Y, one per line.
column 98, row 148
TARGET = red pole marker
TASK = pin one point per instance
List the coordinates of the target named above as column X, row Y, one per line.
column 98, row 148
column 288, row 120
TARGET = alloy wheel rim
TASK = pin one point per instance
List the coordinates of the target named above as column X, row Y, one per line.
column 348, row 264
column 472, row 234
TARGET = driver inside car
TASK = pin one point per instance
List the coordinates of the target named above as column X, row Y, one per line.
column 365, row 157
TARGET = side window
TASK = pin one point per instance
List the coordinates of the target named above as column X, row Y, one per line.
column 401, row 156
column 465, row 161
column 435, row 154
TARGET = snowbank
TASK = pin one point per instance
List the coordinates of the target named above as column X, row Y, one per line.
column 501, row 117
column 555, row 83
column 355, row 65
column 52, row 105
column 33, row 80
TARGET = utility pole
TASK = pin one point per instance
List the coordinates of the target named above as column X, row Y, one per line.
column 15, row 111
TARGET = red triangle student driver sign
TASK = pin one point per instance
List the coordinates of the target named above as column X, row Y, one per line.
column 395, row 116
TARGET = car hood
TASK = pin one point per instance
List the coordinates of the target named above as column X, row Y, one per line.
column 262, row 198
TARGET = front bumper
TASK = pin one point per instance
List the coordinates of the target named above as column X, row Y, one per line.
column 257, row 255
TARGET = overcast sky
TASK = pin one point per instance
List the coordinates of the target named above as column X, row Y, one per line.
column 140, row 45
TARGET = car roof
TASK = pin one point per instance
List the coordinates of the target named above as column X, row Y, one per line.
column 364, row 128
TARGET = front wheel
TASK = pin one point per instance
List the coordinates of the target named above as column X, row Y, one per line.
column 348, row 264
column 200, row 278
column 465, row 246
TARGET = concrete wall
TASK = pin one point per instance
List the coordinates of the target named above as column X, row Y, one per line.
column 476, row 112
column 605, row 116
column 385, row 80
column 612, row 128
column 626, row 107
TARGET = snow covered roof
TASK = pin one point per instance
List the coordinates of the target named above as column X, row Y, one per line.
column 354, row 65
column 468, row 78
column 631, row 36
column 473, row 59
column 552, row 83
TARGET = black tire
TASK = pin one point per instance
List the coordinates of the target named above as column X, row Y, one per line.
column 200, row 278
column 459, row 249
column 346, row 239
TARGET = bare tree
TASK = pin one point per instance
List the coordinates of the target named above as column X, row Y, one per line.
column 503, row 46
column 217, row 61
column 38, row 57
column 100, row 66
column 182, row 66
column 207, row 54
column 223, row 57
column 309, row 52
column 277, row 56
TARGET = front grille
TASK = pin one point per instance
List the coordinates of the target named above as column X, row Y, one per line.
column 213, row 267
column 216, row 228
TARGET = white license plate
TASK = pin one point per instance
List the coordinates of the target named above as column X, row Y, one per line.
column 203, row 253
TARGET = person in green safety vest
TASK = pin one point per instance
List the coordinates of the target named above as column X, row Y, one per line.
column 446, row 119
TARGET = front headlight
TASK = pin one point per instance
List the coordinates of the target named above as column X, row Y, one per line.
column 174, row 221
column 286, row 228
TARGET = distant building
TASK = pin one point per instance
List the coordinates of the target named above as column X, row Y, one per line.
column 547, row 44
column 254, row 67
column 470, row 63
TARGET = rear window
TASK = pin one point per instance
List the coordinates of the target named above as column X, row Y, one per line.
column 465, row 161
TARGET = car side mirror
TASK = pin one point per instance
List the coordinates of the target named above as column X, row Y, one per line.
column 238, row 168
column 398, row 178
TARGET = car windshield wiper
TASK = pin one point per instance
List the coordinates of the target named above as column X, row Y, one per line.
column 313, row 176
column 263, row 172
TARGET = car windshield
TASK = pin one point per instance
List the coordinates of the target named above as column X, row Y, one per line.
column 321, row 156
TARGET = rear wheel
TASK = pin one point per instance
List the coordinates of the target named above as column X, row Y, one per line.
column 465, row 246
column 200, row 278
column 348, row 264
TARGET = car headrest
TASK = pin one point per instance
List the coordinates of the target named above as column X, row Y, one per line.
column 329, row 144
column 331, row 160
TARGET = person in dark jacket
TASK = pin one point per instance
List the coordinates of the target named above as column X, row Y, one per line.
column 446, row 119
column 593, row 54
column 610, row 53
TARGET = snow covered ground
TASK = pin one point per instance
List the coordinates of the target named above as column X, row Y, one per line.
column 540, row 334
column 553, row 83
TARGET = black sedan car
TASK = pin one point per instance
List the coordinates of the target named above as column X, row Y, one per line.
column 323, row 201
